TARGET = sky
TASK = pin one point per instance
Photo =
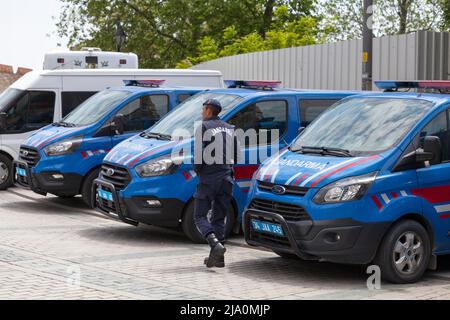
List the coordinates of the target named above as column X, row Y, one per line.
column 27, row 31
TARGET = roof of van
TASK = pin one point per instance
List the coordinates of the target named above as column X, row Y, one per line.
column 432, row 97
column 137, row 89
column 138, row 72
column 294, row 92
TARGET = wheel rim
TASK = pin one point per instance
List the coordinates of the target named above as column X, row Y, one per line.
column 408, row 253
column 4, row 172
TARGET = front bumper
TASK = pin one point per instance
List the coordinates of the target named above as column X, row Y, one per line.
column 341, row 240
column 135, row 210
column 43, row 183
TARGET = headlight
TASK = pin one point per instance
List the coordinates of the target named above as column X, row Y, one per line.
column 63, row 147
column 348, row 189
column 156, row 167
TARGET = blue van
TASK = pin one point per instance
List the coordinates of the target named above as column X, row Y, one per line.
column 141, row 183
column 368, row 182
column 64, row 158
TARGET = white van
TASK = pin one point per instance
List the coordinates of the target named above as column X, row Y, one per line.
column 42, row 97
column 90, row 58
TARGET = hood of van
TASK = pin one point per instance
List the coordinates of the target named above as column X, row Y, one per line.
column 49, row 135
column 314, row 171
column 136, row 150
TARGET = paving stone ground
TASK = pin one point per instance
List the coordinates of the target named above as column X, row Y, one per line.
column 58, row 249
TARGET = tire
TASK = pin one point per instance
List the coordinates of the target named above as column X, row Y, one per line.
column 6, row 172
column 86, row 188
column 191, row 231
column 401, row 243
column 287, row 256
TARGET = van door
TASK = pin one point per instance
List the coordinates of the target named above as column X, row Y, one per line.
column 268, row 125
column 434, row 182
column 31, row 111
column 141, row 114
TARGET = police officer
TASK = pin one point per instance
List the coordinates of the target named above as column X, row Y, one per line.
column 214, row 170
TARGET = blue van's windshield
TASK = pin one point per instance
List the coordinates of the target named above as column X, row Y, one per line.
column 95, row 107
column 363, row 125
column 181, row 121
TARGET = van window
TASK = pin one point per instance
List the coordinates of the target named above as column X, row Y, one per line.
column 363, row 126
column 144, row 112
column 71, row 100
column 263, row 116
column 32, row 111
column 96, row 107
column 439, row 127
column 311, row 109
column 183, row 97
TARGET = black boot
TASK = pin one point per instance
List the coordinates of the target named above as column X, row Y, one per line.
column 217, row 254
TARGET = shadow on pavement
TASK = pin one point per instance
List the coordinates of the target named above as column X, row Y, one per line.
column 135, row 236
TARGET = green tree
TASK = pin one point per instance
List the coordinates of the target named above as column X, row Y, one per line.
column 165, row 32
column 390, row 17
column 445, row 5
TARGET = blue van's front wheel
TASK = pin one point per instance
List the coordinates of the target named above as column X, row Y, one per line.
column 191, row 231
column 405, row 253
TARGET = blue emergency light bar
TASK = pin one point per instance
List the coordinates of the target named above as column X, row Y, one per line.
column 144, row 83
column 421, row 84
column 253, row 84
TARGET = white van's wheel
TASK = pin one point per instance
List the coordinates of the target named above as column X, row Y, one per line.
column 405, row 253
column 5, row 172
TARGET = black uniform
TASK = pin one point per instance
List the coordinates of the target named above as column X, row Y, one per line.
column 215, row 187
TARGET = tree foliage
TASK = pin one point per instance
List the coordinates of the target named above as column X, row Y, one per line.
column 163, row 32
column 389, row 17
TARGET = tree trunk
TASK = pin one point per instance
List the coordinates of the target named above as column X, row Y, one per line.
column 267, row 18
column 403, row 7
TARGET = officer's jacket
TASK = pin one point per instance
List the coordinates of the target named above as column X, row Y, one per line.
column 216, row 151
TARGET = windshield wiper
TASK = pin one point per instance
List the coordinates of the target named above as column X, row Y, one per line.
column 158, row 136
column 64, row 124
column 324, row 151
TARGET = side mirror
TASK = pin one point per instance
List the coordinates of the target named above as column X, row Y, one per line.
column 3, row 117
column 118, row 124
column 431, row 151
column 300, row 130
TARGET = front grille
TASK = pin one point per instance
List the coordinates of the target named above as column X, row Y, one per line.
column 120, row 176
column 29, row 155
column 290, row 212
column 298, row 191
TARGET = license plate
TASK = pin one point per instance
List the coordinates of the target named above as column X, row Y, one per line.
column 21, row 172
column 266, row 227
column 105, row 195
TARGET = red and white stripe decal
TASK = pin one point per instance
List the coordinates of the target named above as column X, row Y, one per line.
column 90, row 153
column 336, row 169
column 384, row 199
column 189, row 175
column 138, row 158
column 438, row 196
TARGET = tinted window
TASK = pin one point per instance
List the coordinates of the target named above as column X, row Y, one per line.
column 363, row 125
column 311, row 109
column 71, row 100
column 33, row 110
column 144, row 112
column 96, row 107
column 183, row 97
column 263, row 116
column 438, row 127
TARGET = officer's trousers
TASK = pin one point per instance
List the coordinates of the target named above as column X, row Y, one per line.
column 218, row 198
